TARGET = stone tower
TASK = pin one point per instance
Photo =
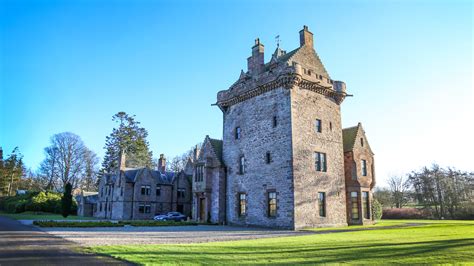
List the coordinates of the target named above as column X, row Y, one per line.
column 282, row 141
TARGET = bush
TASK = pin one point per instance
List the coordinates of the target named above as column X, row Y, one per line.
column 406, row 213
column 377, row 210
column 76, row 224
column 156, row 223
column 36, row 202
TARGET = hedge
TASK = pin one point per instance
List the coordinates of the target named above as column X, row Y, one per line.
column 76, row 224
column 156, row 223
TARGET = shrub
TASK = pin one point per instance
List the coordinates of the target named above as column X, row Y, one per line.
column 377, row 210
column 36, row 202
column 156, row 223
column 76, row 224
column 406, row 213
column 66, row 201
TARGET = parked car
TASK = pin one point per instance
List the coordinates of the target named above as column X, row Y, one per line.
column 171, row 216
column 160, row 217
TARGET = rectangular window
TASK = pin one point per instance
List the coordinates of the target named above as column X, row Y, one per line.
column 181, row 193
column 141, row 208
column 272, row 204
column 364, row 167
column 158, row 191
column 366, row 204
column 145, row 190
column 199, row 173
column 242, row 204
column 100, row 206
column 320, row 162
column 242, row 165
column 322, row 204
column 237, row 133
column 268, row 158
column 275, row 121
column 355, row 205
column 147, row 208
column 319, row 126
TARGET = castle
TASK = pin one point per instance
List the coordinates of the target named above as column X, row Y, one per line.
column 284, row 160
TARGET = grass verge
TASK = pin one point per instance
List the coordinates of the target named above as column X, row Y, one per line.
column 436, row 242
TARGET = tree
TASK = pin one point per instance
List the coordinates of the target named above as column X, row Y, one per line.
column 49, row 169
column 399, row 188
column 11, row 171
column 66, row 200
column 384, row 197
column 442, row 190
column 129, row 137
column 89, row 180
column 64, row 162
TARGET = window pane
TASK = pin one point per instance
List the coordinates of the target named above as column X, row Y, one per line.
column 355, row 205
column 322, row 204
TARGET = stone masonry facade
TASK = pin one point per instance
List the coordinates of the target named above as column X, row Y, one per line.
column 284, row 158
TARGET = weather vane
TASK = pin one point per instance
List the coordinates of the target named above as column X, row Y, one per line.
column 277, row 40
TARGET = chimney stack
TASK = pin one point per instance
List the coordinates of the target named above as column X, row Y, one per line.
column 306, row 37
column 122, row 160
column 195, row 154
column 256, row 61
column 162, row 164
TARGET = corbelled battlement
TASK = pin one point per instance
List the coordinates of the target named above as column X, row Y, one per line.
column 300, row 67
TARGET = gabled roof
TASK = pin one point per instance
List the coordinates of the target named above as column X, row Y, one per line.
column 348, row 137
column 217, row 147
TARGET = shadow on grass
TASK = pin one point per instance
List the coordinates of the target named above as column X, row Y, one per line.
column 407, row 252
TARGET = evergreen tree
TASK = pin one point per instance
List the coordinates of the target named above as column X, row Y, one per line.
column 66, row 200
column 11, row 171
column 129, row 137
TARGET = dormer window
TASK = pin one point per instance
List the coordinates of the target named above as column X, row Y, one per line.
column 238, row 133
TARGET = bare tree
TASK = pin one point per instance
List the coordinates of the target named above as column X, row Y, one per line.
column 65, row 160
column 399, row 188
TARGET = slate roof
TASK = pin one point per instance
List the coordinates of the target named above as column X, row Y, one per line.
column 161, row 178
column 349, row 137
column 217, row 146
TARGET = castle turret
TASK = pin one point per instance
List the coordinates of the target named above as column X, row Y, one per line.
column 256, row 62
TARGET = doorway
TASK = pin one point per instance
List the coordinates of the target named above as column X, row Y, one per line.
column 202, row 210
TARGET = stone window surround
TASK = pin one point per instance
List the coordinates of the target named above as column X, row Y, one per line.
column 322, row 204
column 145, row 190
column 270, row 192
column 241, row 205
column 241, row 165
column 320, row 161
column 319, row 125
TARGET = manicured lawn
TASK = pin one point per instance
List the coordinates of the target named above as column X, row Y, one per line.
column 434, row 242
column 42, row 216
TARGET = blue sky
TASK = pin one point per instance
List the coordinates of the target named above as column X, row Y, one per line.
column 71, row 65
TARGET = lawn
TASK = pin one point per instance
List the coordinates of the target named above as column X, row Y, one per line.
column 432, row 242
column 42, row 216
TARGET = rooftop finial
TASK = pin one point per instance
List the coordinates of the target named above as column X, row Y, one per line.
column 257, row 41
column 277, row 40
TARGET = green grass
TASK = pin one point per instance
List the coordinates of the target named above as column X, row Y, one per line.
column 42, row 216
column 434, row 242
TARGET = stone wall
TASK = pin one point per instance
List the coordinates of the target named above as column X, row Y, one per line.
column 308, row 106
column 255, row 118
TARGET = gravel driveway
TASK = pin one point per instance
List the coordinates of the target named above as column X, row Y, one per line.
column 163, row 234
